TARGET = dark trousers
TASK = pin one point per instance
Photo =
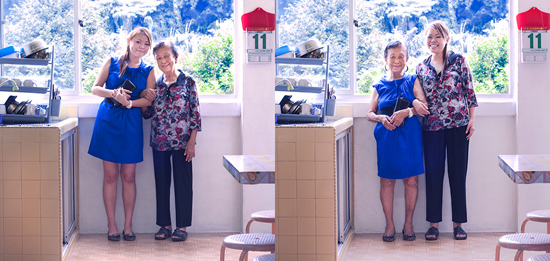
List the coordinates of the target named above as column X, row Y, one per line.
column 453, row 144
column 183, row 187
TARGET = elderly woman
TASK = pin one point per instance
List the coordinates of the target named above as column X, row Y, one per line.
column 398, row 136
column 175, row 122
column 448, row 84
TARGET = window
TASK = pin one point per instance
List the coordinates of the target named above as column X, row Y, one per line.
column 52, row 22
column 324, row 20
column 201, row 30
column 479, row 31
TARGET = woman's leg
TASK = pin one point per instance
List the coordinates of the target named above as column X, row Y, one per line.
column 183, row 189
column 128, row 176
column 386, row 197
column 163, row 181
column 434, row 162
column 110, row 179
column 411, row 196
column 457, row 159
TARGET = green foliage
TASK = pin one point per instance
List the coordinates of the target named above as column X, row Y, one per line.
column 212, row 64
column 489, row 64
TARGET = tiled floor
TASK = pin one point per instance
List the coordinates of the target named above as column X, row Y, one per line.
column 206, row 246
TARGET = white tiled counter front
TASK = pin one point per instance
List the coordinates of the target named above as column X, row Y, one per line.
column 306, row 190
column 31, row 225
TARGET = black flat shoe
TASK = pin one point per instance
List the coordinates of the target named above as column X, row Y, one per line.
column 388, row 238
column 432, row 234
column 459, row 233
column 128, row 236
column 408, row 237
column 113, row 237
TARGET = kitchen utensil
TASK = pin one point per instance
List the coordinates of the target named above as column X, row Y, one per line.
column 307, row 46
column 304, row 82
column 285, row 103
column 20, row 109
column 284, row 51
column 30, row 109
column 8, row 52
column 29, row 83
column 33, row 47
column 296, row 108
column 16, row 81
column 10, row 104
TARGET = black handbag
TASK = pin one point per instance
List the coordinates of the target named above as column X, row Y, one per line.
column 128, row 85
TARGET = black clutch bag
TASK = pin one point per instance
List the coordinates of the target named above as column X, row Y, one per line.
column 401, row 104
column 127, row 85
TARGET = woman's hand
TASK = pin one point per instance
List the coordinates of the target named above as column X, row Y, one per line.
column 385, row 120
column 420, row 108
column 470, row 129
column 398, row 117
column 148, row 94
column 189, row 151
column 122, row 96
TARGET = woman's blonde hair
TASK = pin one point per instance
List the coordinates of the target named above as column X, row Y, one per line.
column 443, row 30
column 125, row 58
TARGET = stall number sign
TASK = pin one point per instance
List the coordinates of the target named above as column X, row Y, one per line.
column 534, row 46
column 259, row 46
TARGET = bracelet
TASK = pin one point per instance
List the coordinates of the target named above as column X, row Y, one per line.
column 129, row 105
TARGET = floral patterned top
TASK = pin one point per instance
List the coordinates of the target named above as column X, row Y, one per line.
column 450, row 94
column 175, row 113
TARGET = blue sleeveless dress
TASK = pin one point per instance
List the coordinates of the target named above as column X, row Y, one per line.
column 118, row 132
column 399, row 151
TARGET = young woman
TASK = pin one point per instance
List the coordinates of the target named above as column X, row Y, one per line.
column 117, row 137
column 175, row 122
column 399, row 146
column 447, row 83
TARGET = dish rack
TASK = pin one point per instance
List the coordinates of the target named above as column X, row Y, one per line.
column 285, row 118
column 19, row 118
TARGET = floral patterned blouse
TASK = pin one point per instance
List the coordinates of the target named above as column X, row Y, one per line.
column 450, row 94
column 175, row 113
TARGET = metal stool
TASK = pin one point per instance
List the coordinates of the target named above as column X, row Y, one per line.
column 265, row 216
column 271, row 257
column 248, row 242
column 522, row 242
column 545, row 257
column 537, row 216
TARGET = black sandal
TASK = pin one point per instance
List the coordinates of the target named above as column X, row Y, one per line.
column 432, row 234
column 163, row 234
column 128, row 236
column 179, row 235
column 459, row 233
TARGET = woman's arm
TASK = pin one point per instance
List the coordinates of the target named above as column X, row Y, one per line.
column 98, row 89
column 372, row 116
column 419, row 103
column 190, row 147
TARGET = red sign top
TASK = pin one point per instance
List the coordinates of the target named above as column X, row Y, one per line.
column 258, row 20
column 533, row 20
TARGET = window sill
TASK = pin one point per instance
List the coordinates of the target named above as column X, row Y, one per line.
column 210, row 107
